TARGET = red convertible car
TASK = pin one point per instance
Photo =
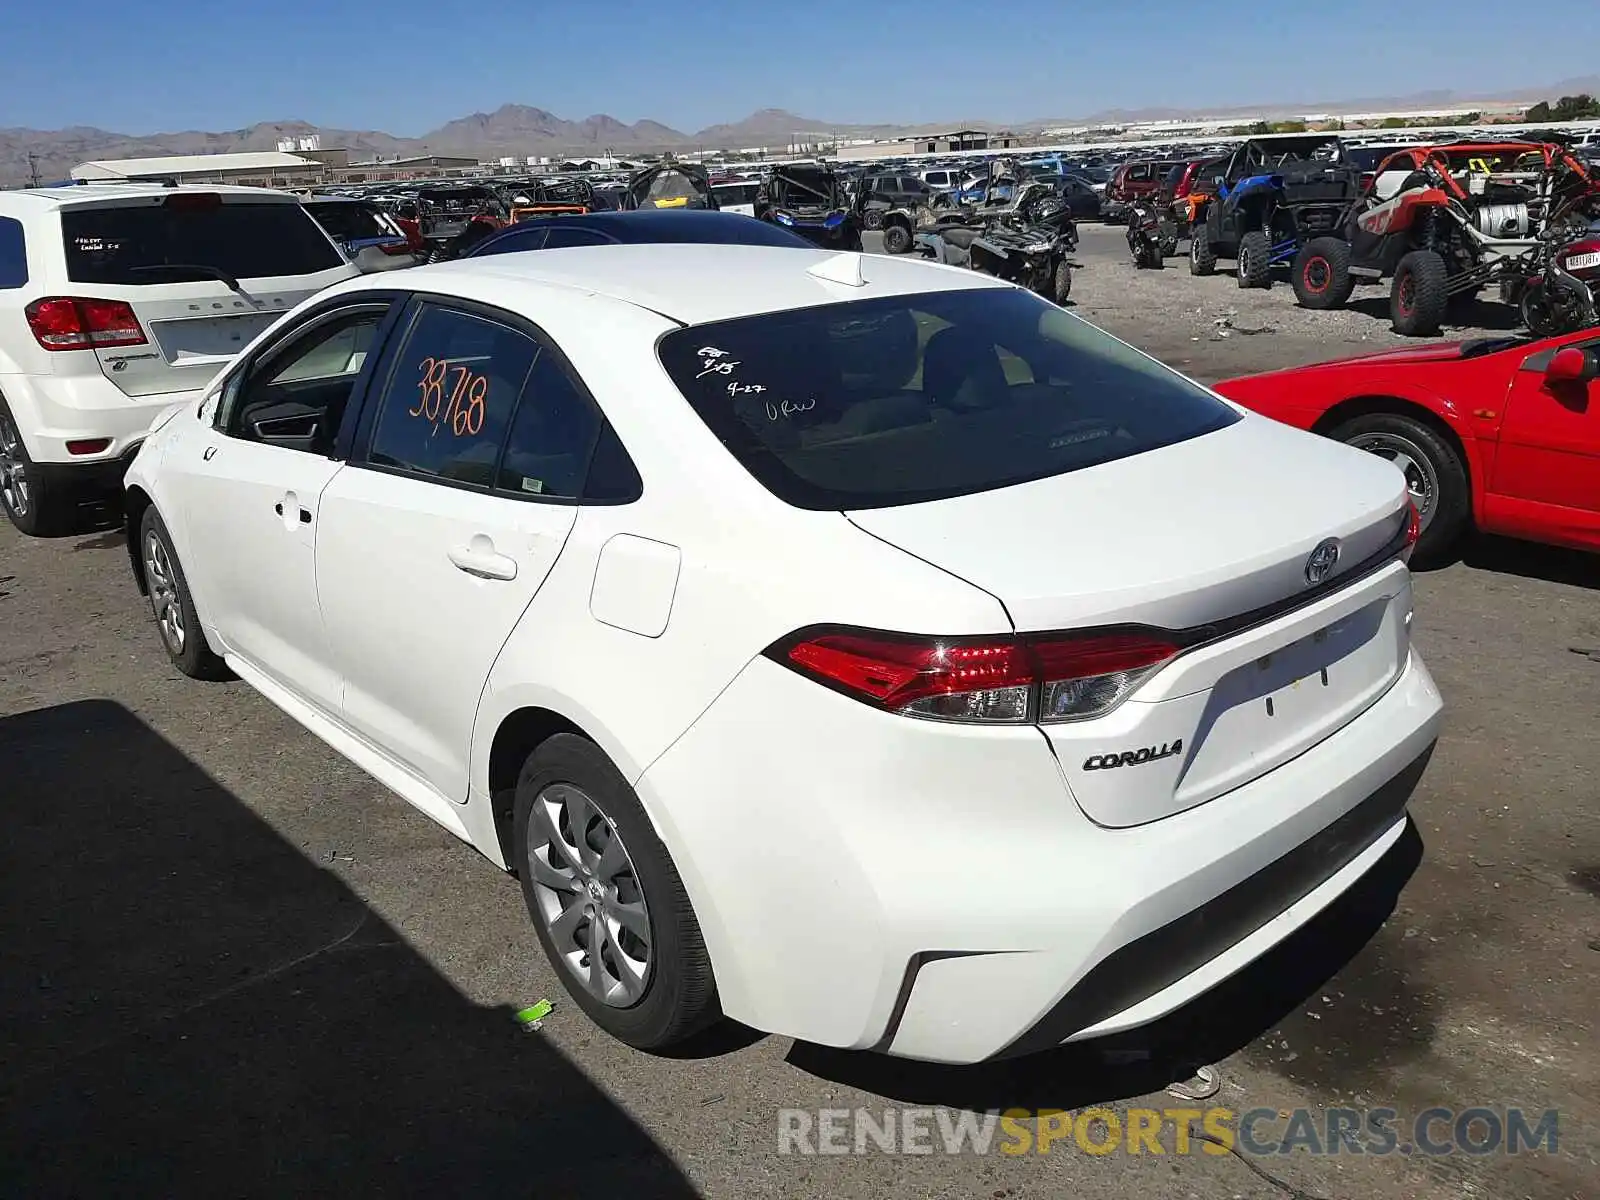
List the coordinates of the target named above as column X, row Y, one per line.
column 1499, row 434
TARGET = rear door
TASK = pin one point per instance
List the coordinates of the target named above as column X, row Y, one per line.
column 435, row 539
column 204, row 273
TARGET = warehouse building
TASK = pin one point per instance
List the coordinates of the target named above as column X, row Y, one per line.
column 262, row 168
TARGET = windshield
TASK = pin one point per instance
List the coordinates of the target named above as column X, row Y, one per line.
column 915, row 398
column 243, row 241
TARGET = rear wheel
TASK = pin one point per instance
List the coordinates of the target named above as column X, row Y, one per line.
column 896, row 239
column 1255, row 260
column 1202, row 257
column 873, row 219
column 606, row 900
column 36, row 505
column 1322, row 278
column 1418, row 297
column 1435, row 475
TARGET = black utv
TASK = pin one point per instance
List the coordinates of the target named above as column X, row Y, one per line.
column 1267, row 199
column 670, row 184
column 811, row 200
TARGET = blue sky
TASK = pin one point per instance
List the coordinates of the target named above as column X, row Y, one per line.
column 401, row 67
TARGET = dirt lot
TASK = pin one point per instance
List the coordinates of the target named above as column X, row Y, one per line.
column 234, row 964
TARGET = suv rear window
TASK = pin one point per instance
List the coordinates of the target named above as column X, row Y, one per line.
column 914, row 398
column 153, row 244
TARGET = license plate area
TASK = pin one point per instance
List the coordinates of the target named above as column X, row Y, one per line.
column 1264, row 712
column 207, row 337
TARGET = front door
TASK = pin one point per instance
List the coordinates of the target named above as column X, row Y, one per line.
column 435, row 540
column 1546, row 476
column 250, row 490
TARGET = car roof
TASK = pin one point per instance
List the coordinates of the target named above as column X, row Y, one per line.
column 689, row 282
column 91, row 193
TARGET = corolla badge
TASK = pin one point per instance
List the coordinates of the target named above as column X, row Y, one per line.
column 1322, row 561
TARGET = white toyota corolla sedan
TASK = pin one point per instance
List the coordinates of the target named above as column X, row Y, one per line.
column 866, row 650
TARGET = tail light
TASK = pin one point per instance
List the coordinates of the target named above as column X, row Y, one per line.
column 193, row 201
column 998, row 681
column 74, row 323
column 1413, row 530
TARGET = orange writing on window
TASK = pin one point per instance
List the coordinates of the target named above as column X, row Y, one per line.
column 461, row 409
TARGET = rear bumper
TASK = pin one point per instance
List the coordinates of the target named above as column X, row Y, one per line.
column 52, row 410
column 872, row 882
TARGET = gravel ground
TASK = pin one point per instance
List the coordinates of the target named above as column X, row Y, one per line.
column 236, row 965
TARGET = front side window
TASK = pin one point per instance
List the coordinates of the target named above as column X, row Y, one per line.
column 450, row 395
column 296, row 396
column 913, row 398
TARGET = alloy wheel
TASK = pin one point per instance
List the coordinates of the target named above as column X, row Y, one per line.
column 162, row 582
column 1422, row 481
column 15, row 492
column 588, row 896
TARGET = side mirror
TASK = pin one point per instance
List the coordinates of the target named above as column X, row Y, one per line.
column 1572, row 364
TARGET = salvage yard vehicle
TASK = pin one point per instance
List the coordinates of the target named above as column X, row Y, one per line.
column 1151, row 233
column 671, row 184
column 807, row 198
column 1561, row 292
column 1445, row 221
column 453, row 218
column 1132, row 181
column 736, row 195
column 644, row 225
column 1026, row 243
column 548, row 197
column 369, row 237
column 120, row 300
column 1496, row 434
column 797, row 499
column 1272, row 196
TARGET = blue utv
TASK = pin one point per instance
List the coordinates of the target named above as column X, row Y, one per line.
column 1270, row 197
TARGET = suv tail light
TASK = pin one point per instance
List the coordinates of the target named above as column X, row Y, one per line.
column 75, row 323
column 990, row 681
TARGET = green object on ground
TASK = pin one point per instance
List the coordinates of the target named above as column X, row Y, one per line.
column 535, row 1012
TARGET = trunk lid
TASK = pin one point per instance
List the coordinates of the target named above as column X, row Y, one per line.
column 204, row 273
column 1212, row 536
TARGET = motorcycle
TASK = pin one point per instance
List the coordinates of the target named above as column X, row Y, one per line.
column 1562, row 294
column 1151, row 237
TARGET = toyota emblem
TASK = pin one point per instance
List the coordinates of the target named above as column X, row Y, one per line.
column 1322, row 561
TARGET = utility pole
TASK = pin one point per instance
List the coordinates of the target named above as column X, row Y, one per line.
column 33, row 169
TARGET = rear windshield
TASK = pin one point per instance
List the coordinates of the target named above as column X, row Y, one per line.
column 154, row 244
column 350, row 222
column 913, row 398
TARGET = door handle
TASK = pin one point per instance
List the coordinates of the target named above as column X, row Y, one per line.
column 479, row 558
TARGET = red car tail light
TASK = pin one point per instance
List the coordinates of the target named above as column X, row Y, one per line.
column 1413, row 531
column 1005, row 681
column 75, row 323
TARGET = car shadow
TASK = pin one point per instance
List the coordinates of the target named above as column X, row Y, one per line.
column 1532, row 560
column 192, row 1007
column 1146, row 1060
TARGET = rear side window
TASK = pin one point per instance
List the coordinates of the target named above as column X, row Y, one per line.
column 13, row 254
column 450, row 397
column 915, row 398
column 195, row 239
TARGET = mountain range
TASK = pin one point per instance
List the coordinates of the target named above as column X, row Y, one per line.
column 517, row 129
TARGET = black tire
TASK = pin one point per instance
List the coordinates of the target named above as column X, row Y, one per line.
column 873, row 219
column 1321, row 274
column 679, row 997
column 896, row 239
column 169, row 590
column 1418, row 298
column 1448, row 513
column 1255, row 266
column 37, row 505
column 1061, row 284
column 1202, row 257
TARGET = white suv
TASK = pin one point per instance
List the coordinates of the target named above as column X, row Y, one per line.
column 119, row 300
